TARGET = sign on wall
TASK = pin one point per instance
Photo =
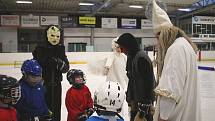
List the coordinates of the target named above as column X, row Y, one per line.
column 30, row 21
column 109, row 22
column 69, row 22
column 10, row 20
column 87, row 20
column 203, row 20
column 146, row 24
column 129, row 23
column 49, row 20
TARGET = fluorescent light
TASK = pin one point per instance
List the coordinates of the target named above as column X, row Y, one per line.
column 24, row 2
column 184, row 9
column 89, row 4
column 135, row 6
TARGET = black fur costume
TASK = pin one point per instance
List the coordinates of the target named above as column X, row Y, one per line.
column 54, row 62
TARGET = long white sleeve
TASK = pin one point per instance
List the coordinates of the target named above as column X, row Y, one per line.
column 109, row 61
column 166, row 107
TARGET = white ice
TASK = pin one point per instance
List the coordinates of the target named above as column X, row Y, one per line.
column 93, row 81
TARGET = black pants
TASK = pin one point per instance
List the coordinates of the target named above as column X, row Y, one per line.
column 53, row 99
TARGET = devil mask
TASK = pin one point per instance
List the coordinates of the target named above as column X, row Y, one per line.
column 53, row 35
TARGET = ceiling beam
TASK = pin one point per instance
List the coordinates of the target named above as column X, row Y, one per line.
column 197, row 11
column 64, row 13
column 106, row 4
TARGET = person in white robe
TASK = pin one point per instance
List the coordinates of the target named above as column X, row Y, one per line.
column 115, row 70
column 178, row 88
column 115, row 66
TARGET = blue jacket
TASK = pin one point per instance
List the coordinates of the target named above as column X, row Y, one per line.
column 32, row 102
column 97, row 118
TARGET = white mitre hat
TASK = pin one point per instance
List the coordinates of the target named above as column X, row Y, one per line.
column 159, row 18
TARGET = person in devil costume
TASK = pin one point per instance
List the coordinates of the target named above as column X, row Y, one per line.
column 53, row 60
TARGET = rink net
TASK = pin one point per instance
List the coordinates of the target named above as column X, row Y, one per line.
column 18, row 64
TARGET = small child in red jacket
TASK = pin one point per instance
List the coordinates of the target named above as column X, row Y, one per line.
column 9, row 95
column 79, row 102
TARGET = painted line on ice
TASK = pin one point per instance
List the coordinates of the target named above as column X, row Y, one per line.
column 20, row 63
column 208, row 68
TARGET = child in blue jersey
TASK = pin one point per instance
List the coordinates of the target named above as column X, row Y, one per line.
column 108, row 101
column 32, row 105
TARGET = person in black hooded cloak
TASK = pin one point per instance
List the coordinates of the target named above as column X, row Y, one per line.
column 139, row 95
column 53, row 60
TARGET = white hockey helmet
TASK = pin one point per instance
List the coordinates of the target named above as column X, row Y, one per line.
column 109, row 97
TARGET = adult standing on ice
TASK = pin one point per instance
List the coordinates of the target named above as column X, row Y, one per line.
column 115, row 66
column 178, row 88
column 141, row 83
column 53, row 60
column 115, row 69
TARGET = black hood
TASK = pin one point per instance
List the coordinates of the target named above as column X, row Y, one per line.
column 129, row 42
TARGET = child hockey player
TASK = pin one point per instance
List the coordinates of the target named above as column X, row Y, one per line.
column 32, row 105
column 78, row 100
column 108, row 101
column 9, row 95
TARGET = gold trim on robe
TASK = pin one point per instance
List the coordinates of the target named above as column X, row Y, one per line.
column 168, row 94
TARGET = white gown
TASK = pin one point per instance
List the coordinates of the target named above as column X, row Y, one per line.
column 116, row 63
column 178, row 89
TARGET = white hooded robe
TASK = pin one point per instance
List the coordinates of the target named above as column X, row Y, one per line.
column 178, row 89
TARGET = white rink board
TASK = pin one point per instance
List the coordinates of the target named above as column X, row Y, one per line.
column 93, row 81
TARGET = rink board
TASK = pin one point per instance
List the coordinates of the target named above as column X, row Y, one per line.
column 79, row 60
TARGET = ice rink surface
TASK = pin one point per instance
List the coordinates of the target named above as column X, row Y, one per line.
column 207, row 87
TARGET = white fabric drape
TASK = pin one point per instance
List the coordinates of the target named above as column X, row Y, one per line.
column 117, row 69
column 179, row 83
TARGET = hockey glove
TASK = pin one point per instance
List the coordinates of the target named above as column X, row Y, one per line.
column 51, row 63
column 89, row 111
column 59, row 63
column 143, row 109
column 82, row 117
column 139, row 117
column 48, row 117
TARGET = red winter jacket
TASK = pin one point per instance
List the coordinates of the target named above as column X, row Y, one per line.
column 8, row 114
column 77, row 101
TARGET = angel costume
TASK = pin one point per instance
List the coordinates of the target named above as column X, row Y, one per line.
column 116, row 64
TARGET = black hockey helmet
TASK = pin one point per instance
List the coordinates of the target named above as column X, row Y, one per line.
column 71, row 74
column 9, row 89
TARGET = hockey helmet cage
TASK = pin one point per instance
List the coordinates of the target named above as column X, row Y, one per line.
column 71, row 74
column 9, row 89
